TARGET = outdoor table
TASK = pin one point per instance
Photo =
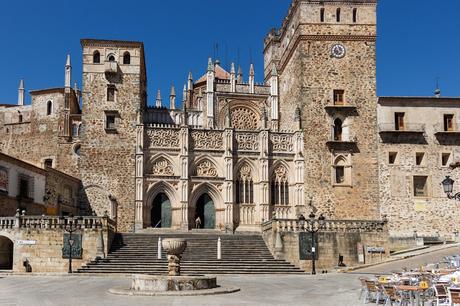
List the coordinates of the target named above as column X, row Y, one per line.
column 414, row 293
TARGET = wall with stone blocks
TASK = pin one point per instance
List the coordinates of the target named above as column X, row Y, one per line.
column 46, row 254
column 329, row 247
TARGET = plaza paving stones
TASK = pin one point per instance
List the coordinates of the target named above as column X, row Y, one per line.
column 324, row 290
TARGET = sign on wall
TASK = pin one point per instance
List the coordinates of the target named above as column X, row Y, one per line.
column 305, row 246
column 77, row 250
column 26, row 242
column 3, row 179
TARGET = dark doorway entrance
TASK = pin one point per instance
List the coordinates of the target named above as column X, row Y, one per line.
column 6, row 253
column 161, row 211
column 206, row 211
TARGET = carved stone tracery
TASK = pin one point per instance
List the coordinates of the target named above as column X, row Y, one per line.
column 207, row 140
column 163, row 138
column 162, row 168
column 244, row 119
column 247, row 141
column 206, row 169
column 280, row 174
column 282, row 143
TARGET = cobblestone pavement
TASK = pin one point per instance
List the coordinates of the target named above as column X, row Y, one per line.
column 321, row 290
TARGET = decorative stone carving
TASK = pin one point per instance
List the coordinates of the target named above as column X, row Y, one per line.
column 244, row 119
column 207, row 140
column 282, row 142
column 245, row 172
column 280, row 173
column 247, row 141
column 206, row 169
column 163, row 138
column 162, row 168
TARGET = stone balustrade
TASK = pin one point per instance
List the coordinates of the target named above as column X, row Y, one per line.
column 52, row 222
column 294, row 225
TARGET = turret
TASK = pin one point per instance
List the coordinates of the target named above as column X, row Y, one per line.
column 233, row 78
column 158, row 100
column 210, row 76
column 251, row 79
column 190, row 81
column 274, row 96
column 21, row 91
column 240, row 75
column 68, row 72
column 172, row 98
column 184, row 94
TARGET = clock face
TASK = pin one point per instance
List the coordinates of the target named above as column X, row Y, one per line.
column 338, row 51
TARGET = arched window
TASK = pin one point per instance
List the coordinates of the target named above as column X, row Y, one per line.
column 321, row 15
column 111, row 58
column 337, row 15
column 245, row 186
column 20, row 118
column 355, row 15
column 341, row 171
column 338, row 130
column 96, row 57
column 126, row 58
column 75, row 130
column 49, row 108
column 280, row 187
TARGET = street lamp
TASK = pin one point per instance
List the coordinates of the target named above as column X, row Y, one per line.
column 71, row 227
column 448, row 186
column 313, row 226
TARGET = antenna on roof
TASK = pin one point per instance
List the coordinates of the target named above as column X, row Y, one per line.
column 250, row 55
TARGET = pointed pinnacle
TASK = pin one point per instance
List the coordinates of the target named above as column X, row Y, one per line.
column 190, row 76
column 159, row 95
column 173, row 91
column 21, row 84
column 251, row 70
column 210, row 65
column 68, row 62
column 240, row 71
column 232, row 70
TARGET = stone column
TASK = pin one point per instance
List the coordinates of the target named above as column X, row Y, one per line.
column 184, row 179
column 264, row 186
column 299, row 166
column 139, row 218
column 228, row 185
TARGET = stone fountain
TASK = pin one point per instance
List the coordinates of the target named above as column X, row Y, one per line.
column 174, row 283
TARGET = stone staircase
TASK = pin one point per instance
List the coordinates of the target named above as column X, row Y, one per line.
column 241, row 254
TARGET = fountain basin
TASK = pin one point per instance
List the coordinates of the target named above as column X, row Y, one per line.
column 172, row 283
column 174, row 246
column 151, row 285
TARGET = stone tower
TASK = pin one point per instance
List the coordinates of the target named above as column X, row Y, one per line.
column 114, row 98
column 325, row 55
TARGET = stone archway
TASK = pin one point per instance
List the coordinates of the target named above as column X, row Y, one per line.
column 6, row 253
column 161, row 212
column 206, row 211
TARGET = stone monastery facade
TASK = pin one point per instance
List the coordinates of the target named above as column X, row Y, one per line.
column 235, row 153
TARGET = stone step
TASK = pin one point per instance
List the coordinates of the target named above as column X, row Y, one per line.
column 241, row 254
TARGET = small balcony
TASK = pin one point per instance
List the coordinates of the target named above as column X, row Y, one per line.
column 340, row 107
column 342, row 140
column 442, row 130
column 391, row 128
column 111, row 67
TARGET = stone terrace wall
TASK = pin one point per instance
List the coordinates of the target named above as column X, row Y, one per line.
column 47, row 233
column 338, row 238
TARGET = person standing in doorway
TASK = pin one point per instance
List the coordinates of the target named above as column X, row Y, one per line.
column 198, row 222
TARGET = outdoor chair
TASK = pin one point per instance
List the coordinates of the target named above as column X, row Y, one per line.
column 441, row 295
column 391, row 296
column 363, row 292
column 454, row 296
column 373, row 292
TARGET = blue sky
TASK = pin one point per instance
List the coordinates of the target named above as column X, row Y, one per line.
column 418, row 40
